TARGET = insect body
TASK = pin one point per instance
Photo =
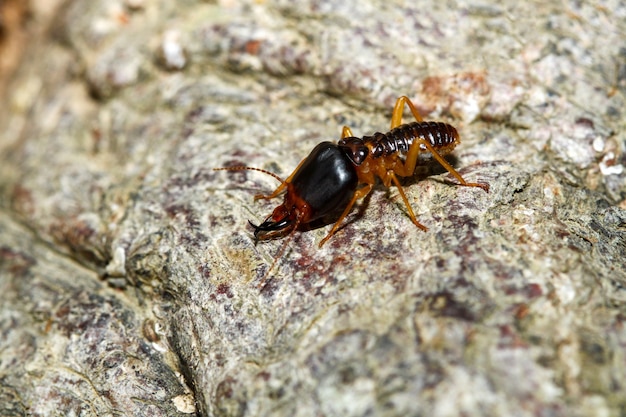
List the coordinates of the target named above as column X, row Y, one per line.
column 334, row 176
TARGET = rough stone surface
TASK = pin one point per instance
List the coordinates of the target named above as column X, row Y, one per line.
column 130, row 279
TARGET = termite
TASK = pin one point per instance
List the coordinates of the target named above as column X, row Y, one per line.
column 335, row 175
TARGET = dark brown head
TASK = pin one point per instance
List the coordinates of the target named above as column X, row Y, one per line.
column 323, row 184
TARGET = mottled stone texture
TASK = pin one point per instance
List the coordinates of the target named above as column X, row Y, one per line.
column 128, row 272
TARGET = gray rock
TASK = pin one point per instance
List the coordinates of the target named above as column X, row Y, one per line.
column 130, row 277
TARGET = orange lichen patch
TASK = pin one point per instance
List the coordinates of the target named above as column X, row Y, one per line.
column 13, row 14
column 462, row 95
column 252, row 46
column 22, row 200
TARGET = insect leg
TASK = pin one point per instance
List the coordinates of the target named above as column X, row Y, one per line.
column 396, row 116
column 346, row 132
column 275, row 194
column 360, row 193
column 406, row 169
column 281, row 187
column 406, row 201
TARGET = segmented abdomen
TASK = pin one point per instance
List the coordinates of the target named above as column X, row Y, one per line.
column 441, row 136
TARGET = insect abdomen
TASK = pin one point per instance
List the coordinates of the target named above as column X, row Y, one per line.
column 441, row 136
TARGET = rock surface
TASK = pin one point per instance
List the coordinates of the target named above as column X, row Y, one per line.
column 130, row 278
